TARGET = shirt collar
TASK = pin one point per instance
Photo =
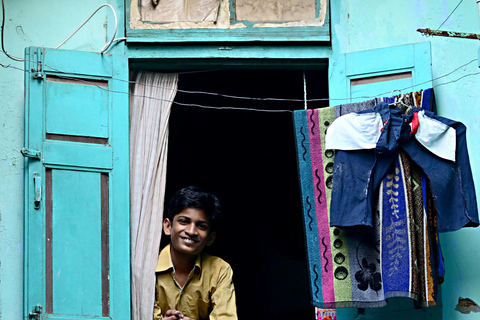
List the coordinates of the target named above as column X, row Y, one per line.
column 165, row 263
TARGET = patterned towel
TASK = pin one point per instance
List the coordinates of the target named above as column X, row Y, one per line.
column 362, row 268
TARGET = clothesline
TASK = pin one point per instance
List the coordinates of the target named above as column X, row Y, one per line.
column 249, row 98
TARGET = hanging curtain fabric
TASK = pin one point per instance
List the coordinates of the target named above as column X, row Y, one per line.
column 354, row 267
column 150, row 106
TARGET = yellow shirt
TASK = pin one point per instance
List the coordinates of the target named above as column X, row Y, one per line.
column 208, row 293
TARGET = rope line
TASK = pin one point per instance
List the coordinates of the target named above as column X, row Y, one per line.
column 243, row 97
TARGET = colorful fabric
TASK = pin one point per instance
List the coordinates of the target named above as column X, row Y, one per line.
column 399, row 257
column 362, row 130
column 359, row 172
column 325, row 314
column 347, row 108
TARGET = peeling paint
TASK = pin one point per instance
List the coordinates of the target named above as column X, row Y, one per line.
column 467, row 305
column 275, row 10
column 223, row 19
column 308, row 23
column 179, row 10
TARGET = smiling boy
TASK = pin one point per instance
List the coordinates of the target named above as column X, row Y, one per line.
column 191, row 284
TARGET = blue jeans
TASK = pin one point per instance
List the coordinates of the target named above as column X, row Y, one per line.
column 357, row 174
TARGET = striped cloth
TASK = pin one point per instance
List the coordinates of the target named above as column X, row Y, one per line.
column 399, row 257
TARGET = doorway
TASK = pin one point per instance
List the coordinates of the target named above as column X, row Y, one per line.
column 242, row 148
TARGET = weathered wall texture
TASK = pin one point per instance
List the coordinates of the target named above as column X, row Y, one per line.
column 177, row 15
column 389, row 23
column 31, row 23
column 355, row 27
column 275, row 10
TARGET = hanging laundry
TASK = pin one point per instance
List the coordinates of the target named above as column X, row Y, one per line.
column 366, row 144
column 347, row 108
column 399, row 257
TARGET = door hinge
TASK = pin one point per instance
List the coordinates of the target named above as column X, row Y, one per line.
column 38, row 72
column 30, row 153
column 36, row 312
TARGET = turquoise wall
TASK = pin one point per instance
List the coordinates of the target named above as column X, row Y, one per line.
column 355, row 26
column 364, row 25
column 32, row 23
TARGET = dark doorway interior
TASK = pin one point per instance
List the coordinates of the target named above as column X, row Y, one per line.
column 248, row 158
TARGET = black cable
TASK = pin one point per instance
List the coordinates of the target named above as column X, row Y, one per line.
column 250, row 98
column 450, row 14
column 3, row 28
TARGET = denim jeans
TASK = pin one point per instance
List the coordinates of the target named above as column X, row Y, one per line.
column 358, row 173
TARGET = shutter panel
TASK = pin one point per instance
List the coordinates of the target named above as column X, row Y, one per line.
column 364, row 75
column 76, row 185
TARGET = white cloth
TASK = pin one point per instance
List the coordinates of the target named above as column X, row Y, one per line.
column 150, row 106
column 437, row 137
column 360, row 131
column 354, row 131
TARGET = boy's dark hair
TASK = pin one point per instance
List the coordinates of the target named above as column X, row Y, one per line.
column 198, row 198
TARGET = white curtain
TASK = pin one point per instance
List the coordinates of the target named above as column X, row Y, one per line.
column 150, row 106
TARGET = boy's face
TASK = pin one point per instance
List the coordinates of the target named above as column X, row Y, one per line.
column 189, row 231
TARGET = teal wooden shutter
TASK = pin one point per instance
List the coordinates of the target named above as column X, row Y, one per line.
column 364, row 75
column 77, row 262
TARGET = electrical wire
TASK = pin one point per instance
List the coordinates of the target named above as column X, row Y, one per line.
column 247, row 98
column 295, row 100
column 435, row 79
column 2, row 35
column 107, row 45
column 450, row 14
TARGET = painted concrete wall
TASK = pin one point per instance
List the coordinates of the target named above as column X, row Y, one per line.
column 32, row 23
column 355, row 25
column 361, row 25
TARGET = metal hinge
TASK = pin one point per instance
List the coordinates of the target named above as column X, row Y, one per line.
column 35, row 314
column 38, row 72
column 30, row 153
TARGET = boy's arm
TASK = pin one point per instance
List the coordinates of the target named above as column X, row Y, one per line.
column 223, row 298
column 157, row 312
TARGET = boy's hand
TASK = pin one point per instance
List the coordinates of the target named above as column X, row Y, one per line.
column 175, row 315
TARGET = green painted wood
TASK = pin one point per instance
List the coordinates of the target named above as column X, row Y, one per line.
column 76, row 256
column 77, row 154
column 345, row 68
column 391, row 58
column 66, row 317
column 83, row 261
column 281, row 34
column 34, row 222
column 119, row 200
column 69, row 62
column 74, row 114
column 379, row 89
column 230, row 51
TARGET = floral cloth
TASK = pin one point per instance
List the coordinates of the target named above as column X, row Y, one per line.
column 353, row 267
